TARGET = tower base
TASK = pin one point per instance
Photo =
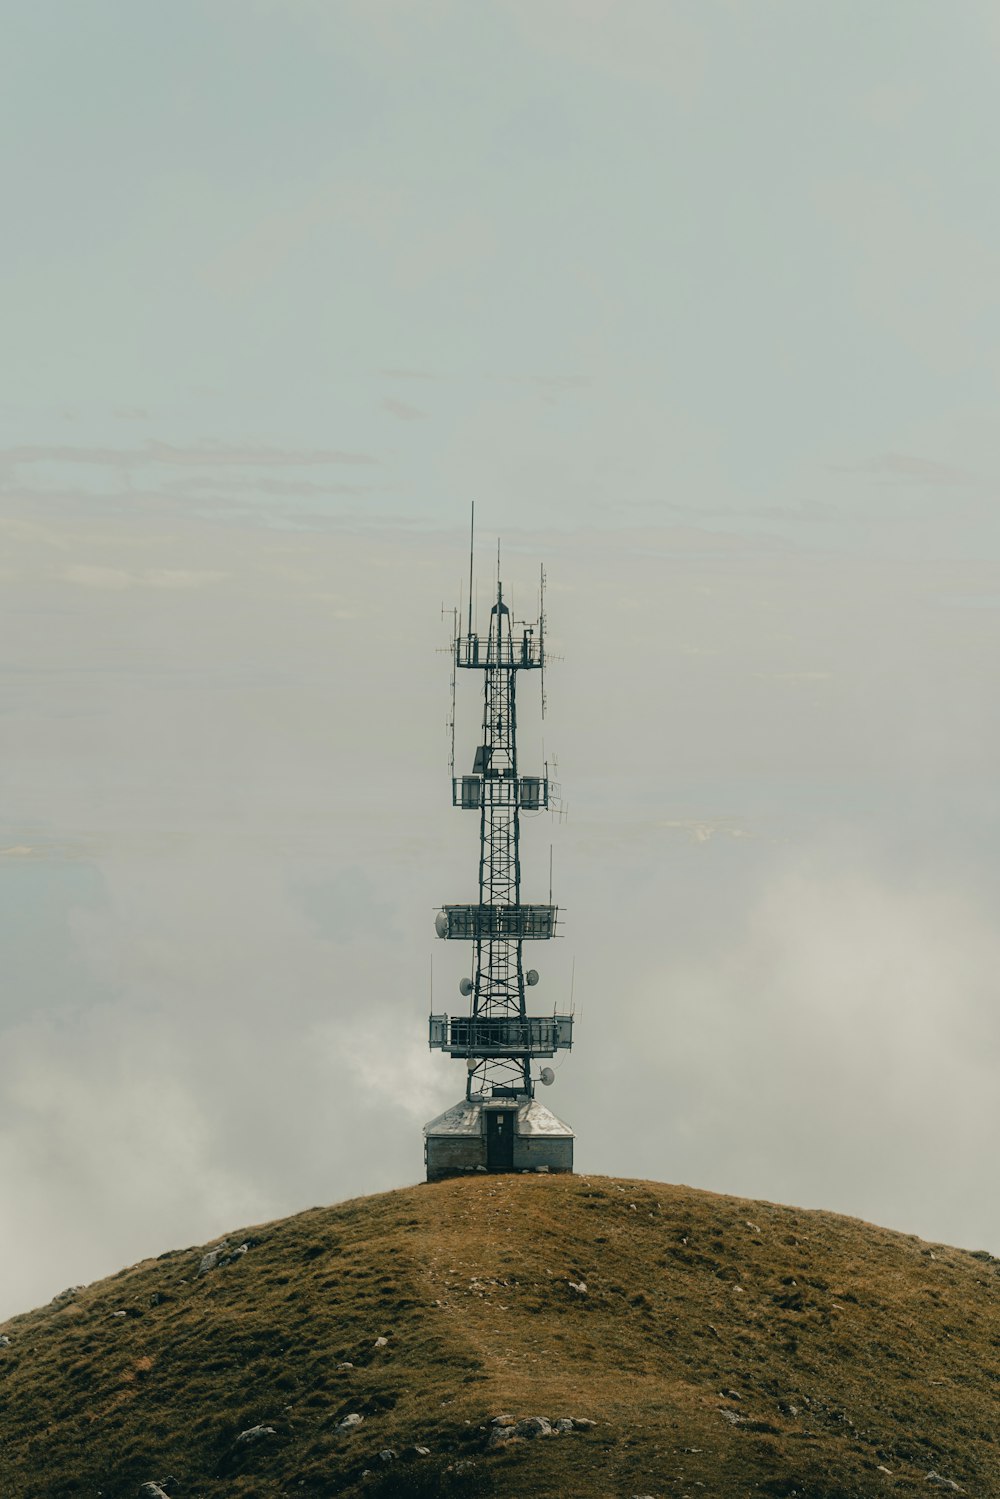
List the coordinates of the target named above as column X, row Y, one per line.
column 496, row 1134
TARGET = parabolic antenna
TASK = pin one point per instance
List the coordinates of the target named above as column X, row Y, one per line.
column 531, row 977
column 546, row 1076
column 471, row 1064
column 441, row 923
column 465, row 986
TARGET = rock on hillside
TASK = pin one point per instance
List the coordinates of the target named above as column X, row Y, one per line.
column 514, row 1335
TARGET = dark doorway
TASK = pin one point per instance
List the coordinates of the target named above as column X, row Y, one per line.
column 500, row 1125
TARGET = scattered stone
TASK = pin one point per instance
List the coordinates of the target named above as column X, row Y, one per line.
column 731, row 1394
column 348, row 1423
column 223, row 1255
column 4, row 1340
column 533, row 1426
column 507, row 1428
column 211, row 1257
column 579, row 1286
column 66, row 1296
column 410, row 1454
column 387, row 1455
column 255, row 1434
column 944, row 1483
column 882, row 1469
column 542, row 1169
column 152, row 1491
column 345, row 1366
column 733, row 1417
column 119, row 1314
column 381, row 1343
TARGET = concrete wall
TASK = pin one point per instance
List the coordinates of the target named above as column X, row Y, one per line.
column 451, row 1155
column 554, row 1151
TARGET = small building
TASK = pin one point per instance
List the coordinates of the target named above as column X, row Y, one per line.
column 496, row 1134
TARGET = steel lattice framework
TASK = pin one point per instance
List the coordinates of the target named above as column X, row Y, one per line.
column 498, row 1039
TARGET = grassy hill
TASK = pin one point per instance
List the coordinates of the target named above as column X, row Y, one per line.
column 722, row 1347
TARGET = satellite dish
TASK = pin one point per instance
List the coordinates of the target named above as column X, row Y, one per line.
column 441, row 923
column 531, row 977
column 472, row 1064
column 465, row 986
column 546, row 1076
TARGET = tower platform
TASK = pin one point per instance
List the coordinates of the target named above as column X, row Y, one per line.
column 496, row 1134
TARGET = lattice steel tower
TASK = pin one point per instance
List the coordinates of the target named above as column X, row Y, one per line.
column 499, row 1125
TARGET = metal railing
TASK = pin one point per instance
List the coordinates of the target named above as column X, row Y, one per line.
column 501, row 1035
column 494, row 923
column 517, row 651
column 529, row 793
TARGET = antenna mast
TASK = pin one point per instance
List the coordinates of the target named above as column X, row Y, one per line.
column 500, row 1125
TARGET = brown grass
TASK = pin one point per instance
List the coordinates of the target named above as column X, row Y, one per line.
column 840, row 1349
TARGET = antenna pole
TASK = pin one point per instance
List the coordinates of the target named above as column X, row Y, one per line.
column 541, row 631
column 472, row 543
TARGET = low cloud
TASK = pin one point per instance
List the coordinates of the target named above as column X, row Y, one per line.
column 201, row 455
column 836, row 1047
column 702, row 830
column 116, row 578
column 402, row 410
column 400, row 373
column 906, row 468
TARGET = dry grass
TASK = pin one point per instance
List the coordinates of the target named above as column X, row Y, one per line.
column 837, row 1349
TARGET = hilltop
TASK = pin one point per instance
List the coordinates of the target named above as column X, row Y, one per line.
column 721, row 1347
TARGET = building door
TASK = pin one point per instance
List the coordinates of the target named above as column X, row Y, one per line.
column 500, row 1125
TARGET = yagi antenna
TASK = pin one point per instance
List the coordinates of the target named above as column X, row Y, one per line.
column 541, row 631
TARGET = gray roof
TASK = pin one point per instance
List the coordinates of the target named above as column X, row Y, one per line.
column 465, row 1118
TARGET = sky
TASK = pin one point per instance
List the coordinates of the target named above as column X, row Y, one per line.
column 699, row 301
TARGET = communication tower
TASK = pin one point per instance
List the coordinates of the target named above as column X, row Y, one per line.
column 499, row 1125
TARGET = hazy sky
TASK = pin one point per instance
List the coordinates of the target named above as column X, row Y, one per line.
column 700, row 302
